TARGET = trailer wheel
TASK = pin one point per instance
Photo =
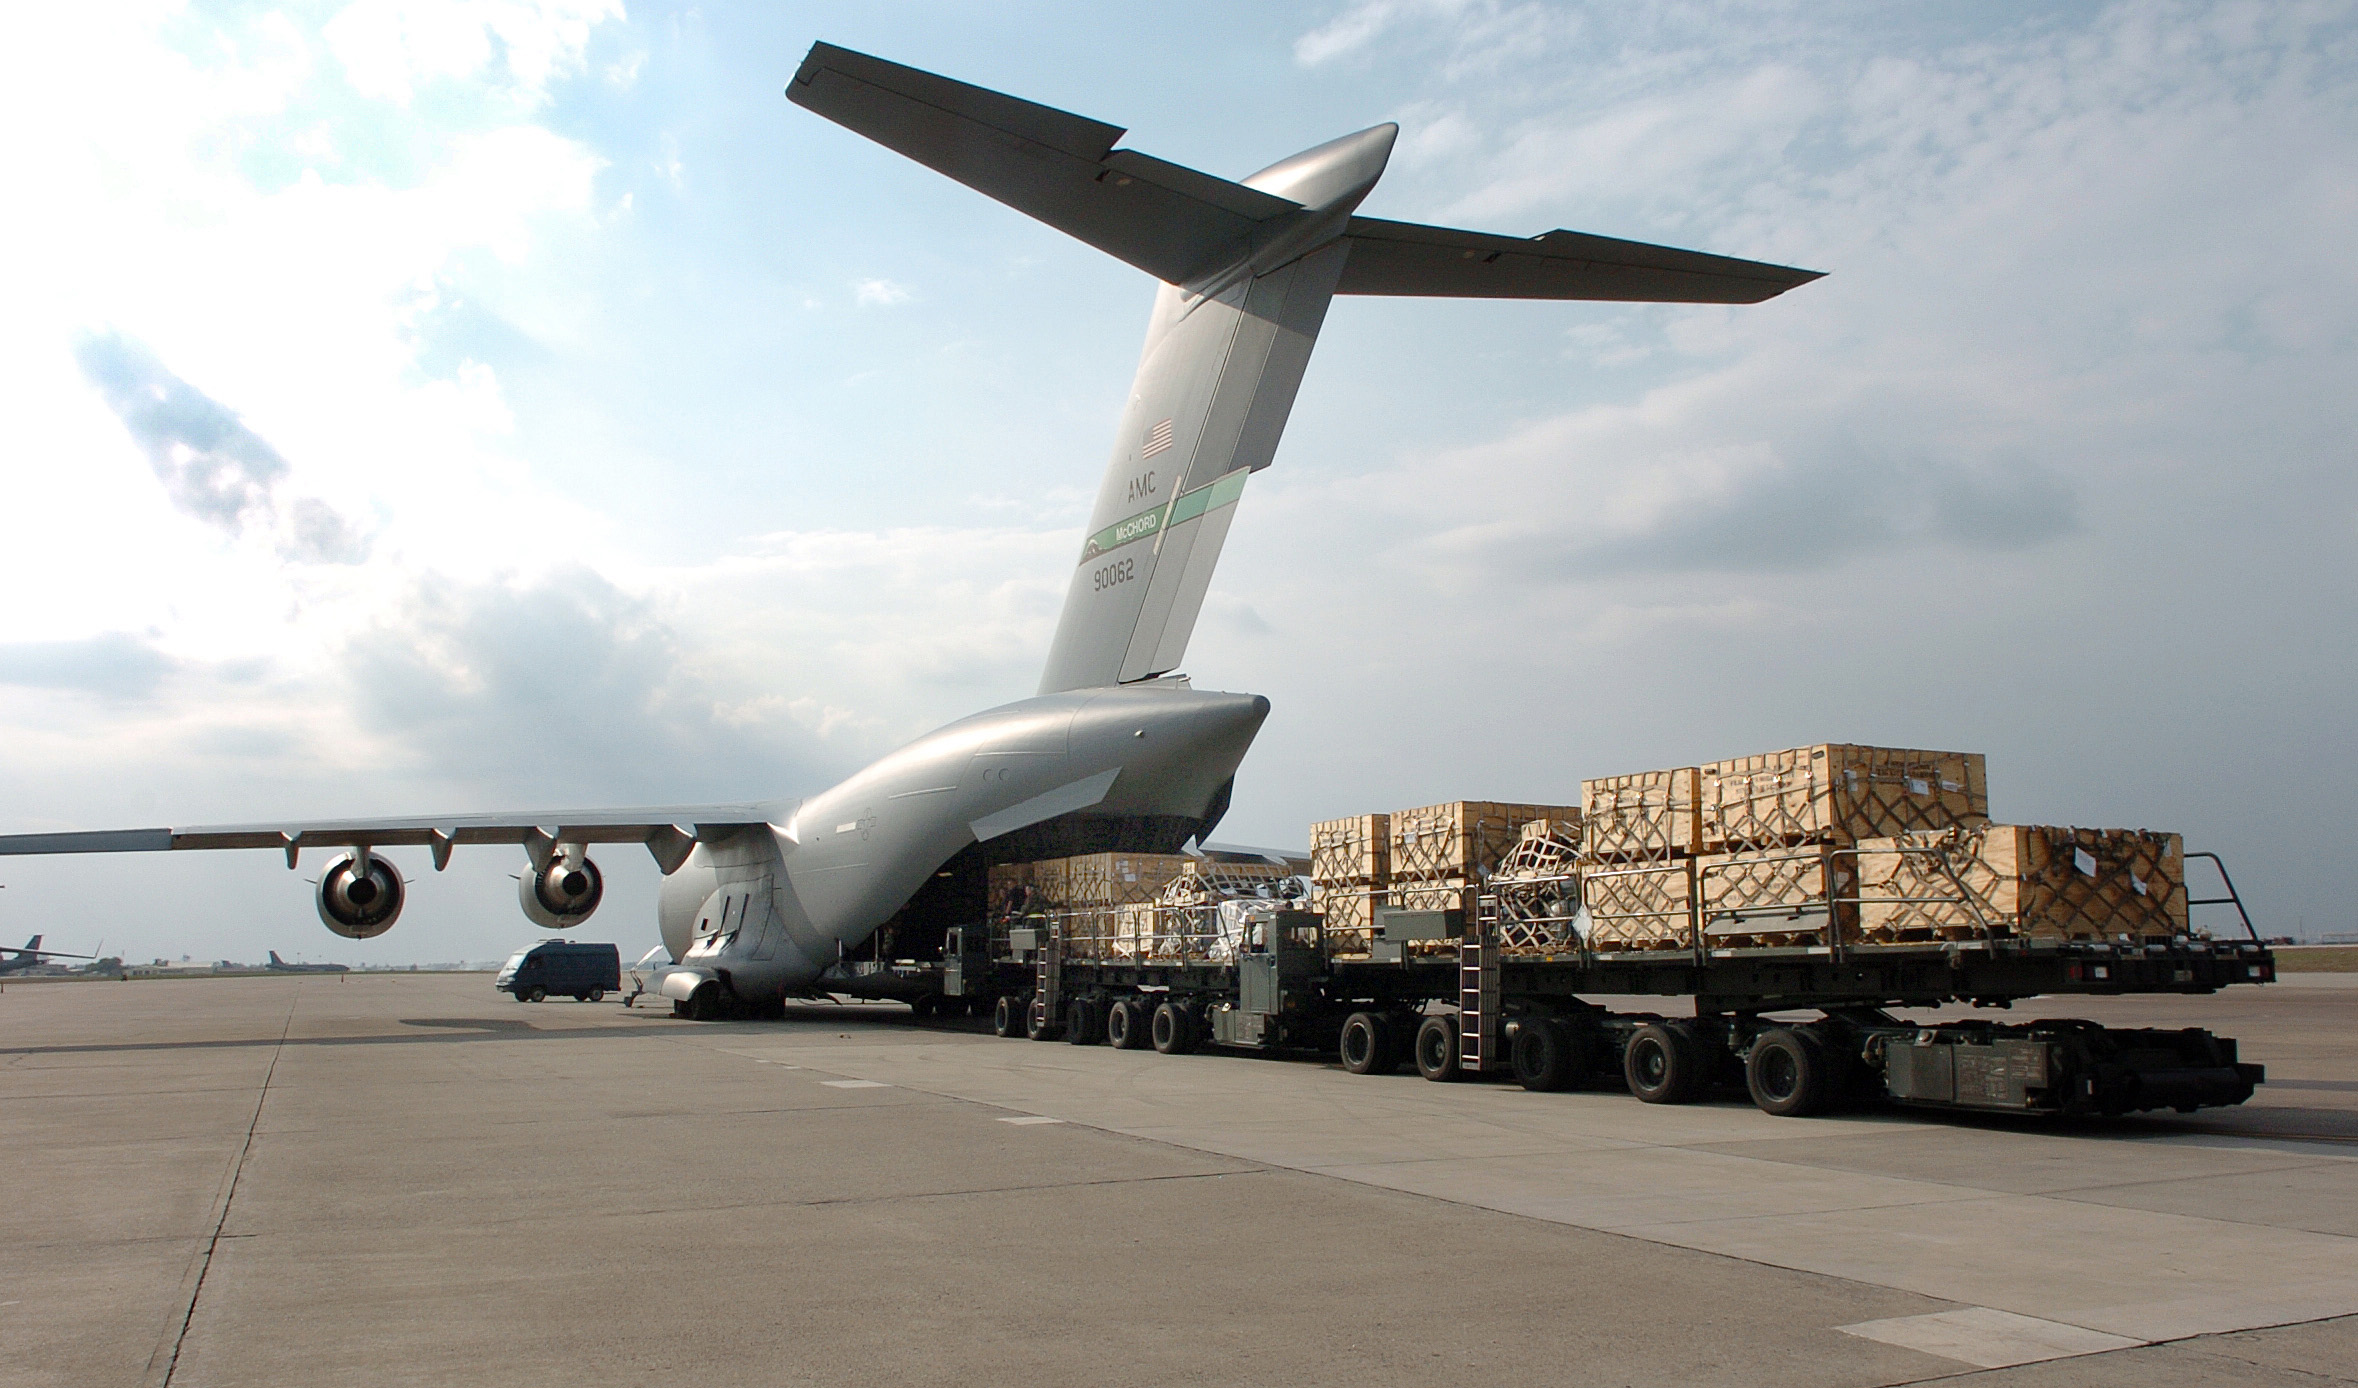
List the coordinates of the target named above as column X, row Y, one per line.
column 1436, row 1048
column 1127, row 1025
column 1174, row 1030
column 1368, row 1047
column 1007, row 1016
column 1038, row 1025
column 1547, row 1055
column 1789, row 1074
column 1084, row 1022
column 1664, row 1063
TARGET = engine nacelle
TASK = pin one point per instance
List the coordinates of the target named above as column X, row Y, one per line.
column 360, row 898
column 561, row 895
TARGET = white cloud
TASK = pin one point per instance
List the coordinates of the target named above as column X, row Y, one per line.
column 879, row 293
column 390, row 48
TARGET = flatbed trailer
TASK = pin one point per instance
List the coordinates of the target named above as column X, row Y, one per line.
column 1440, row 992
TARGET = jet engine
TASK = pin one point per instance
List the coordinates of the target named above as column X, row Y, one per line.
column 360, row 895
column 561, row 895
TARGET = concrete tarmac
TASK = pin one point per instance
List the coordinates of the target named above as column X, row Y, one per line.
column 405, row 1179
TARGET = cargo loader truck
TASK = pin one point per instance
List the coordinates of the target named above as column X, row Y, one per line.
column 1804, row 1028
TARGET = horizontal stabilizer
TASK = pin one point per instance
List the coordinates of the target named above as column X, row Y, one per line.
column 1174, row 223
column 1404, row 258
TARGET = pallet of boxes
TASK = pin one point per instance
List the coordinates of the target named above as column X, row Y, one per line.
column 1432, row 858
column 1134, row 906
column 1841, row 843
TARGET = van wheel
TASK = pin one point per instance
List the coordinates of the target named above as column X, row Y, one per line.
column 1174, row 1030
column 594, row 995
column 582, row 996
column 535, row 993
column 1436, row 1048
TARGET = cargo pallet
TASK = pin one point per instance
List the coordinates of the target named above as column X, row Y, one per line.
column 1440, row 992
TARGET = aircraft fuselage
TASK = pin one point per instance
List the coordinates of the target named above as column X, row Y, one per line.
column 765, row 910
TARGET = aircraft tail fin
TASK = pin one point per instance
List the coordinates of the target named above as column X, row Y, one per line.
column 275, row 961
column 33, row 945
column 1248, row 269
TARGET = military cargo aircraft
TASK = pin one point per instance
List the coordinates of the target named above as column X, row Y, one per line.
column 1116, row 751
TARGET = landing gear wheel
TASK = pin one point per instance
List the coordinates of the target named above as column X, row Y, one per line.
column 1666, row 1063
column 1789, row 1073
column 1084, row 1022
column 1436, row 1048
column 1126, row 1025
column 1007, row 1016
column 1549, row 1054
column 704, row 1005
column 594, row 995
column 1368, row 1047
column 1174, row 1030
column 535, row 993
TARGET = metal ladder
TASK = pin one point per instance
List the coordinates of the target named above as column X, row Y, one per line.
column 1477, row 1003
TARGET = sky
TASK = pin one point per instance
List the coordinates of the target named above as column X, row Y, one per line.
column 439, row 405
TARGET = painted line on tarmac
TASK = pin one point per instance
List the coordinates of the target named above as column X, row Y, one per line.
column 1029, row 1121
column 855, row 1084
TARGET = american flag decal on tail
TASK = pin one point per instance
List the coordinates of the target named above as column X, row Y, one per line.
column 1157, row 439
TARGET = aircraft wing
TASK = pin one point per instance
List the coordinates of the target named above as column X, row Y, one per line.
column 1405, row 258
column 1169, row 221
column 668, row 832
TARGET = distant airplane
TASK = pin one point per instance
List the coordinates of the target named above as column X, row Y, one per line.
column 1116, row 752
column 281, row 966
column 32, row 956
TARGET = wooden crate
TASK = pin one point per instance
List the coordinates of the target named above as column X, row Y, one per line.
column 1776, row 898
column 1838, row 793
column 1350, row 917
column 1640, row 906
column 2024, row 881
column 1461, row 838
column 1094, row 879
column 1650, row 816
column 1353, row 849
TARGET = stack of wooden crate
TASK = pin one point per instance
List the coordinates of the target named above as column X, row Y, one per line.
column 1441, row 855
column 2044, row 882
column 1350, row 869
column 1092, row 895
column 1639, row 837
column 1778, row 865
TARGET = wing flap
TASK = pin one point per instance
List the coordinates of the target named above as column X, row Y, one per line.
column 1406, row 258
column 1169, row 221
